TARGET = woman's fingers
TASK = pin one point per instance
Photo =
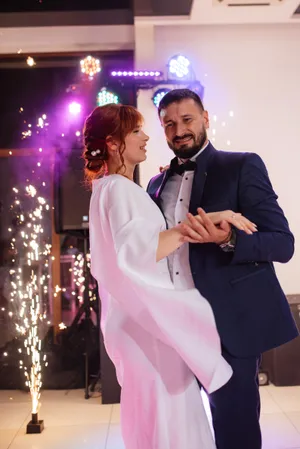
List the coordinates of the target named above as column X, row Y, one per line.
column 248, row 224
column 243, row 224
column 234, row 218
column 188, row 231
column 197, row 225
column 190, row 240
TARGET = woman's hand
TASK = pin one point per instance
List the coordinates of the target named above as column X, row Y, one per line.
column 214, row 227
column 235, row 219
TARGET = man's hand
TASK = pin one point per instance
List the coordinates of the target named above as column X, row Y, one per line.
column 163, row 169
column 214, row 227
column 206, row 232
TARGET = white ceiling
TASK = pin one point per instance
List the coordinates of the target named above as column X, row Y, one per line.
column 49, row 39
column 66, row 39
column 228, row 12
column 252, row 11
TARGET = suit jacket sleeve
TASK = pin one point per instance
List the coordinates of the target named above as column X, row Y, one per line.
column 274, row 241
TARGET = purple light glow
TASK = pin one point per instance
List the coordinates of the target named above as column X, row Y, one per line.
column 74, row 108
column 137, row 73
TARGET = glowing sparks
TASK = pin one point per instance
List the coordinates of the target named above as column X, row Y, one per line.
column 221, row 131
column 40, row 122
column 57, row 289
column 78, row 276
column 31, row 190
column 33, row 343
column 26, row 134
column 30, row 61
column 79, row 279
column 29, row 279
column 40, row 127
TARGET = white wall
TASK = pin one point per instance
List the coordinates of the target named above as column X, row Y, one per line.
column 58, row 39
column 254, row 71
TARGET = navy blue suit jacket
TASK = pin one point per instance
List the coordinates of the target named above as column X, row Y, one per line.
column 250, row 308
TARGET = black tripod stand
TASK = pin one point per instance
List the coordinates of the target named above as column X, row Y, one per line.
column 84, row 316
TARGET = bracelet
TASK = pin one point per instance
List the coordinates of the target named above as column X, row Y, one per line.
column 229, row 246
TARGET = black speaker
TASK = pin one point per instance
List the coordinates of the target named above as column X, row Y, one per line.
column 282, row 364
column 111, row 390
column 72, row 194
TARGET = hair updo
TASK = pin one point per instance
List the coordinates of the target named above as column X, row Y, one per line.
column 113, row 120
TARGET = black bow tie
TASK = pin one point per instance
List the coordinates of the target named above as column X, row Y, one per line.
column 175, row 167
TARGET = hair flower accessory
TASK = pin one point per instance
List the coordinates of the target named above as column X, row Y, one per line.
column 95, row 152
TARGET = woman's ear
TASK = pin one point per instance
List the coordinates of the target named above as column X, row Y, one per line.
column 112, row 145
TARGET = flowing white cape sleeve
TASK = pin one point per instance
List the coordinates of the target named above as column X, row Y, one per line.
column 183, row 319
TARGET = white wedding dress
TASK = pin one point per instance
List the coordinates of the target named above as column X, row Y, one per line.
column 158, row 338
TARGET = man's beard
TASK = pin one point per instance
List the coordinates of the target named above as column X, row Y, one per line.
column 185, row 151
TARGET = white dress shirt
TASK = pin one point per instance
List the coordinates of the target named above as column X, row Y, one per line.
column 175, row 201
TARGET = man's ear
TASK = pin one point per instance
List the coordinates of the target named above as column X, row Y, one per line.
column 206, row 119
column 161, row 116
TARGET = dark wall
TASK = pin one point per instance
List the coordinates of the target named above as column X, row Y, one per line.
column 59, row 5
column 35, row 90
column 42, row 89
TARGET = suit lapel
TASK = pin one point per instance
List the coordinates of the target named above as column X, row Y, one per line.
column 163, row 183
column 200, row 178
column 157, row 195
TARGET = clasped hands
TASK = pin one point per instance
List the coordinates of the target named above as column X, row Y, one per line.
column 214, row 227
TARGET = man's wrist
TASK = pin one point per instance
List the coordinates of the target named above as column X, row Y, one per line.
column 229, row 245
column 227, row 240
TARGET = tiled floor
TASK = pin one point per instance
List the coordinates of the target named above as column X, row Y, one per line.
column 73, row 422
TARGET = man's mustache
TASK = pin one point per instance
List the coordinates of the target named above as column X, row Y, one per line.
column 179, row 138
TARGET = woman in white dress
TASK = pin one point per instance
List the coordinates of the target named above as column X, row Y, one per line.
column 159, row 339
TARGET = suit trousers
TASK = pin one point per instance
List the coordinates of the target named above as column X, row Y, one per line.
column 236, row 406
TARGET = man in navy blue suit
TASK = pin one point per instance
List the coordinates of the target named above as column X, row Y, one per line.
column 233, row 270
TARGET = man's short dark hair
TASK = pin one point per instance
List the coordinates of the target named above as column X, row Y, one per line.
column 176, row 96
